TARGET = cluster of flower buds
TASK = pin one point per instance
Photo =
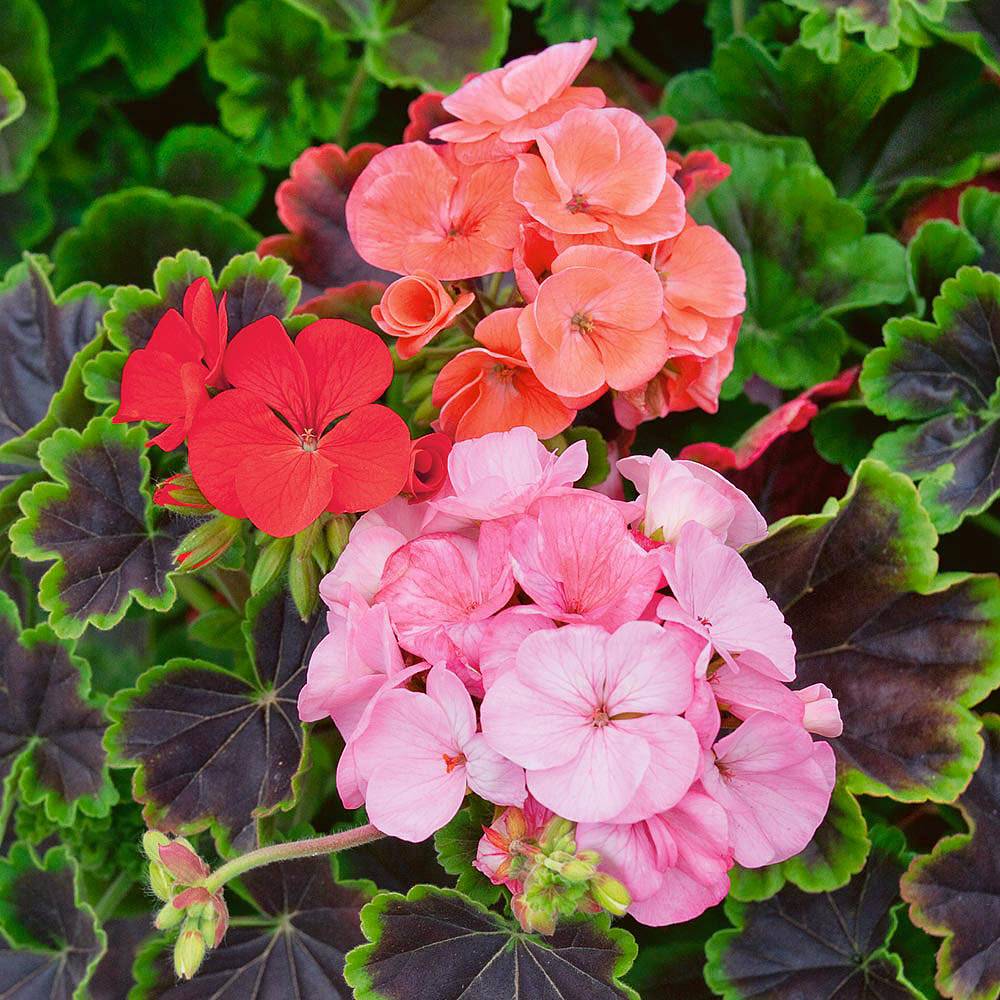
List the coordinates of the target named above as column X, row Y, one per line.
column 177, row 876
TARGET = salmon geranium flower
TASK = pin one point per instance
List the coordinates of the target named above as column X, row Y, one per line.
column 601, row 173
column 166, row 380
column 492, row 388
column 597, row 319
column 417, row 208
column 269, row 449
column 416, row 309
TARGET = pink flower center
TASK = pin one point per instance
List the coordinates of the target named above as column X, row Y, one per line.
column 451, row 762
column 578, row 203
column 582, row 323
column 600, row 718
column 502, row 373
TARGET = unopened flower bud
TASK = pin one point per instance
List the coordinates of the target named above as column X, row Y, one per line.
column 424, row 413
column 419, row 388
column 189, row 953
column 577, row 870
column 271, row 561
column 338, row 530
column 152, row 841
column 180, row 494
column 610, row 894
column 168, row 917
column 182, row 862
column 303, row 582
column 207, row 542
column 558, row 836
column 533, row 917
column 160, row 881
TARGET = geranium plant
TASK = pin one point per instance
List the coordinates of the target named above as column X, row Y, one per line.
column 520, row 577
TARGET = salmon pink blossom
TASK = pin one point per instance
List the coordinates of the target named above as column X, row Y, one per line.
column 416, row 209
column 416, row 309
column 269, row 449
column 582, row 726
column 596, row 320
column 421, row 753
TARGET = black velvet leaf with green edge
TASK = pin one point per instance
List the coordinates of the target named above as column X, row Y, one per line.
column 437, row 942
column 974, row 25
column 457, row 843
column 305, row 922
column 122, row 236
column 215, row 747
column 954, row 892
column 93, row 516
column 51, row 755
column 51, row 941
column 44, row 342
column 943, row 378
column 833, row 944
column 431, row 44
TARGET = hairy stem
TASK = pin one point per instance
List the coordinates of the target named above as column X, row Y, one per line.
column 308, row 848
column 113, row 895
column 351, row 99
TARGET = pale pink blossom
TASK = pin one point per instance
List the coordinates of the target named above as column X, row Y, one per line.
column 580, row 710
column 675, row 492
column 505, row 472
column 774, row 783
column 503, row 636
column 577, row 561
column 715, row 593
column 508, row 844
column 421, row 752
column 822, row 712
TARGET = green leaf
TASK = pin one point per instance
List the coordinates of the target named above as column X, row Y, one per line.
column 220, row 747
column 44, row 342
column 935, row 253
column 943, row 377
column 570, row 20
column 432, row 939
column 286, row 77
column 799, row 945
column 53, row 940
column 28, row 97
column 807, row 260
column 51, row 757
column 431, row 44
column 26, row 218
column 598, row 466
column 200, row 160
column 857, row 585
column 979, row 213
column 670, row 962
column 974, row 25
column 844, row 432
column 123, row 236
column 153, row 44
column 954, row 892
column 457, row 844
column 304, row 922
column 94, row 517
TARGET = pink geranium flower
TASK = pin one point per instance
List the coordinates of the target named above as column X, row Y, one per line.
column 421, row 752
column 577, row 561
column 416, row 208
column 440, row 589
column 416, row 308
column 503, row 636
column 596, row 320
column 582, row 725
column 601, row 172
column 509, row 843
column 512, row 103
column 715, row 593
column 504, row 473
column 675, row 492
column 774, row 783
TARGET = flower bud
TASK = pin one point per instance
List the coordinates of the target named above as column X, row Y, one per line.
column 303, row 582
column 180, row 494
column 207, row 542
column 428, row 465
column 558, row 835
column 160, row 881
column 577, row 870
column 610, row 894
column 189, row 952
column 338, row 531
column 168, row 917
column 271, row 561
column 183, row 863
column 152, row 841
column 532, row 917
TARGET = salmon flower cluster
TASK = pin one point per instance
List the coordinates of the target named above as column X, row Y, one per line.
column 608, row 675
column 553, row 231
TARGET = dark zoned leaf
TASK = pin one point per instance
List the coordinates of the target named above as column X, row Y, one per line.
column 857, row 586
column 799, row 945
column 944, row 377
column 40, row 336
column 215, row 747
column 954, row 892
column 437, row 942
column 95, row 519
column 52, row 938
column 307, row 923
column 51, row 755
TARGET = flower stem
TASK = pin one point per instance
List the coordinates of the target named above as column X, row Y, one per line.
column 644, row 66
column 350, row 105
column 311, row 847
column 739, row 12
column 113, row 895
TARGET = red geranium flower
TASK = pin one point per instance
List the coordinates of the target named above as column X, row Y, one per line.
column 266, row 449
column 166, row 380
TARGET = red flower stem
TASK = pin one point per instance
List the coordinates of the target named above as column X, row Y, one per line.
column 309, row 848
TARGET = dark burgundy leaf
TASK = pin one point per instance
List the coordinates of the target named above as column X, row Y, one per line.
column 112, row 979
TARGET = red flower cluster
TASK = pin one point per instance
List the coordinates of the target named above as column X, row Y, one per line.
column 272, row 446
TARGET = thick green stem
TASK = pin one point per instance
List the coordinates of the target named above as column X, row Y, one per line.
column 351, row 99
column 294, row 849
column 739, row 12
column 113, row 895
column 644, row 66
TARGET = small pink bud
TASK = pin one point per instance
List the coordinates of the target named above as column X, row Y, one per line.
column 185, row 866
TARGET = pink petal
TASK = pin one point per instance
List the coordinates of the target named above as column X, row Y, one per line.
column 503, row 637
column 494, row 777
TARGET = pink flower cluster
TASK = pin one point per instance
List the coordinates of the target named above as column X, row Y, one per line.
column 560, row 653
column 613, row 285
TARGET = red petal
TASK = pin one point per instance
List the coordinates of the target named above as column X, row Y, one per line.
column 347, row 367
column 371, row 452
column 263, row 359
column 155, row 387
column 226, row 430
column 173, row 336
